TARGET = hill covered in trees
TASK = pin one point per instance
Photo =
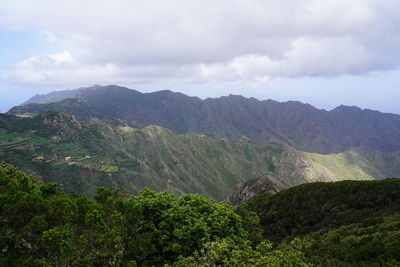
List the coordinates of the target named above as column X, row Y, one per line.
column 41, row 226
column 351, row 223
column 348, row 223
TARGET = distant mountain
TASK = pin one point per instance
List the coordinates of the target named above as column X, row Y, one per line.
column 56, row 96
column 297, row 124
column 82, row 156
column 51, row 97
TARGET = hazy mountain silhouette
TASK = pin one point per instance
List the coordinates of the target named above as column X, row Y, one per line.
column 300, row 125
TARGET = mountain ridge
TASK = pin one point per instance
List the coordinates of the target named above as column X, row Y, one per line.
column 300, row 125
column 41, row 98
column 86, row 155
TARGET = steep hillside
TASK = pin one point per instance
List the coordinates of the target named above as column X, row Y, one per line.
column 83, row 156
column 299, row 125
column 353, row 164
column 358, row 163
column 315, row 206
column 348, row 223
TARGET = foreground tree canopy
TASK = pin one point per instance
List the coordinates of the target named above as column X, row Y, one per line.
column 42, row 226
column 323, row 224
column 348, row 223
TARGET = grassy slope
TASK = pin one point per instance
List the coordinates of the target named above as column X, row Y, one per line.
column 199, row 164
column 84, row 157
column 337, row 167
column 99, row 155
column 353, row 164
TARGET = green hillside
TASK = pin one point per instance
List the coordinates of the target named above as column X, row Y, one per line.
column 41, row 226
column 82, row 157
column 348, row 223
column 356, row 164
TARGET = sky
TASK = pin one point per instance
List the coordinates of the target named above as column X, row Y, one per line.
column 322, row 52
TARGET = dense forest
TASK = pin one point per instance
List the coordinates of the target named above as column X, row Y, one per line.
column 323, row 224
column 348, row 223
column 42, row 226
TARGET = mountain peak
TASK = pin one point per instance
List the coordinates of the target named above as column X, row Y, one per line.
column 347, row 108
column 295, row 123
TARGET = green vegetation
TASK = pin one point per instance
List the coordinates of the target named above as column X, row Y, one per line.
column 356, row 164
column 348, row 223
column 340, row 165
column 79, row 223
column 373, row 242
column 41, row 226
column 81, row 157
column 95, row 155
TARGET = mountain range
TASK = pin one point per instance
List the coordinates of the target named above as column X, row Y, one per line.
column 115, row 136
column 296, row 124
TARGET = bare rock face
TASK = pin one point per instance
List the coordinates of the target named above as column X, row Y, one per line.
column 247, row 190
column 60, row 119
column 64, row 125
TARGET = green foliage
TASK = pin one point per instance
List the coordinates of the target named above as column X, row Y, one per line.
column 39, row 223
column 374, row 242
column 357, row 225
column 316, row 206
column 41, row 226
column 349, row 223
column 178, row 227
column 228, row 253
column 251, row 223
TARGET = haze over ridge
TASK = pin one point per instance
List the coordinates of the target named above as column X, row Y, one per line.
column 297, row 124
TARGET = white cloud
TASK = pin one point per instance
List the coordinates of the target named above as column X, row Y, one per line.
column 50, row 37
column 254, row 40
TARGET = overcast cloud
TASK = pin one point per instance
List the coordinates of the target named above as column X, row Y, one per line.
column 122, row 41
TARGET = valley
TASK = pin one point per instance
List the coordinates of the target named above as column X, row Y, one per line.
column 171, row 167
column 84, row 155
column 252, row 133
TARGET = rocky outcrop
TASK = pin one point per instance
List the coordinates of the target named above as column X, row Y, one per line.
column 247, row 190
column 60, row 124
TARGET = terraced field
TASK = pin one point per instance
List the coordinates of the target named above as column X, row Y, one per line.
column 40, row 148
